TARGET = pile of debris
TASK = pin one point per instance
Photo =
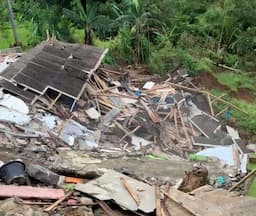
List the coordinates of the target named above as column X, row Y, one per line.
column 61, row 108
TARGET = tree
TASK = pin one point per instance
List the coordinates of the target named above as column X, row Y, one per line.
column 46, row 17
column 84, row 15
column 140, row 23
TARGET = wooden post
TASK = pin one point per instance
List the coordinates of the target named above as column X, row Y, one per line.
column 176, row 122
column 205, row 92
column 210, row 104
column 55, row 100
column 185, row 130
column 158, row 200
column 222, row 111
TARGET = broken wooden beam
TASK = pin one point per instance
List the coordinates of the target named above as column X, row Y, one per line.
column 210, row 104
column 205, row 92
column 242, row 180
column 106, row 208
column 153, row 116
column 55, row 204
column 158, row 200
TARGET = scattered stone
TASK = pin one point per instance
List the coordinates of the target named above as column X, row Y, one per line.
column 9, row 207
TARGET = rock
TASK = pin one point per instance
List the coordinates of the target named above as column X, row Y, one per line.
column 194, row 178
column 86, row 200
column 81, row 211
column 43, row 175
column 71, row 163
column 10, row 208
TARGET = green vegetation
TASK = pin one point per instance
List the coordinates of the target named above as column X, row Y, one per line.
column 7, row 39
column 235, row 81
column 242, row 120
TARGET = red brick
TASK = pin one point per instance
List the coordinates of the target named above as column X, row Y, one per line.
column 27, row 192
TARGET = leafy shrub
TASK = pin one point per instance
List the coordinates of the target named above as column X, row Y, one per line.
column 162, row 60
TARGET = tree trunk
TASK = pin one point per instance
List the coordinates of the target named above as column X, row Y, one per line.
column 12, row 20
column 88, row 39
column 84, row 4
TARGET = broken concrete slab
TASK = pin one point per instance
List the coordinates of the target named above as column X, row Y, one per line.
column 84, row 165
column 232, row 204
column 194, row 205
column 109, row 187
column 27, row 192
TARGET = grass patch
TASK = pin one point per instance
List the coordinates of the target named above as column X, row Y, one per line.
column 24, row 34
column 235, row 81
column 246, row 122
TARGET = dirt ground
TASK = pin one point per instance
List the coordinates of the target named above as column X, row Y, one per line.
column 208, row 81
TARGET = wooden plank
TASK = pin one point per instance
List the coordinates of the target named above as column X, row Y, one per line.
column 194, row 205
column 185, row 130
column 153, row 116
column 205, row 92
column 133, row 193
column 176, row 122
column 55, row 204
column 54, row 101
column 222, row 111
column 242, row 180
column 158, row 200
column 210, row 104
column 108, row 211
column 28, row 192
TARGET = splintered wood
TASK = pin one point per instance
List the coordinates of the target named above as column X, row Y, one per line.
column 157, row 108
column 133, row 193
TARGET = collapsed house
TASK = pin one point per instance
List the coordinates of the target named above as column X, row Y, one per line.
column 58, row 66
column 60, row 95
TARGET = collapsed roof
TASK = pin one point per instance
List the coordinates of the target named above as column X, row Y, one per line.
column 60, row 66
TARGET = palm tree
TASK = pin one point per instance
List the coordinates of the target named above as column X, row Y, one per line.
column 45, row 16
column 140, row 23
column 84, row 15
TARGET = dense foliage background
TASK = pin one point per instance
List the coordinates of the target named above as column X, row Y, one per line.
column 153, row 32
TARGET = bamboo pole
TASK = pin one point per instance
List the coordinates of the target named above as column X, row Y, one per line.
column 242, row 180
column 210, row 104
column 205, row 92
